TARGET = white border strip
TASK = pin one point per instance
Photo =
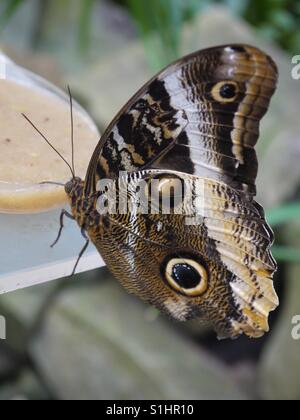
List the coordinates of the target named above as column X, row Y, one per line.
column 42, row 274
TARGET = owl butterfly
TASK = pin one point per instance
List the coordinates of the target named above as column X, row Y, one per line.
column 194, row 124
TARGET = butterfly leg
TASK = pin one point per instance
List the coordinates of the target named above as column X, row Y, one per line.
column 63, row 214
column 83, row 233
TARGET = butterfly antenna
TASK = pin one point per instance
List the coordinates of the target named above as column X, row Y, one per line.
column 60, row 184
column 48, row 142
column 72, row 129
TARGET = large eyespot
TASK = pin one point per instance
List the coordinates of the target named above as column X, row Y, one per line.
column 186, row 276
column 225, row 92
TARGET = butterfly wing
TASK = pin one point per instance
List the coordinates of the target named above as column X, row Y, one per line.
column 198, row 120
column 216, row 240
column 200, row 115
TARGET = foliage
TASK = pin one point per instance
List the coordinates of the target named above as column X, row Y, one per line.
column 165, row 20
column 282, row 215
column 9, row 7
column 277, row 20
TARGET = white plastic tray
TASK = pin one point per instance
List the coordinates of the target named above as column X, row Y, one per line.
column 26, row 256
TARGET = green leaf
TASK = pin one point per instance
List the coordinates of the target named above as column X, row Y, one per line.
column 283, row 214
column 9, row 10
column 159, row 19
column 286, row 254
column 160, row 24
column 84, row 24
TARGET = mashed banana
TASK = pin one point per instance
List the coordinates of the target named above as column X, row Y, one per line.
column 26, row 160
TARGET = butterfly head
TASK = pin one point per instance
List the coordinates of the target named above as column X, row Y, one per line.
column 72, row 185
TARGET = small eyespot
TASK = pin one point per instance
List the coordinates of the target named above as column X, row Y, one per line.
column 186, row 276
column 166, row 192
column 225, row 92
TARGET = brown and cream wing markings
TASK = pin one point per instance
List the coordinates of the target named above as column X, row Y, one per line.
column 231, row 243
column 200, row 115
column 196, row 121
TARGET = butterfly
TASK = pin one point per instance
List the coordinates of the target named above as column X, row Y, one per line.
column 190, row 131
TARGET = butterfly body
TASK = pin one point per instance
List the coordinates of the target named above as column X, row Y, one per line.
column 190, row 131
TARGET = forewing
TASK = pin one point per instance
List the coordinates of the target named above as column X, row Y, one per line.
column 200, row 115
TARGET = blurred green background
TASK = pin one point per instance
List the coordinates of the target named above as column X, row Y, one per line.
column 86, row 338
